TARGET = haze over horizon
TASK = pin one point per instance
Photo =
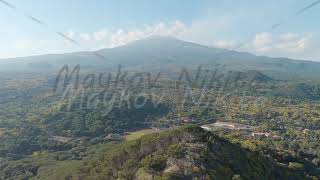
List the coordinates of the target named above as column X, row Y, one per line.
column 159, row 90
column 242, row 26
column 157, row 38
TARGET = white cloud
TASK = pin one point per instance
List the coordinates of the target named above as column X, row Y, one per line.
column 85, row 36
column 286, row 45
column 262, row 40
column 205, row 31
column 105, row 38
column 225, row 44
column 100, row 35
column 70, row 34
column 201, row 32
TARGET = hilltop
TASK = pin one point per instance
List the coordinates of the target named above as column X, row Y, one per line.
column 185, row 153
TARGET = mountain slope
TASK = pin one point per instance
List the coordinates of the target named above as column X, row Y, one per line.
column 185, row 153
column 165, row 53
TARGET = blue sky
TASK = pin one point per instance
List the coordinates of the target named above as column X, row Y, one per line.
column 105, row 24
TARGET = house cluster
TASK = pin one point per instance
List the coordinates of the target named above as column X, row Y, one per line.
column 247, row 130
column 61, row 139
column 231, row 125
column 265, row 134
column 114, row 137
column 187, row 119
column 2, row 131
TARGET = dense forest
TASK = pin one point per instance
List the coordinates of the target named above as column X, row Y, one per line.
column 44, row 130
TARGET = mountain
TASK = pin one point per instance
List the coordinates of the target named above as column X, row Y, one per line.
column 167, row 54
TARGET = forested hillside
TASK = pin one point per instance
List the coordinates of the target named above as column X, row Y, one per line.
column 87, row 123
column 185, row 153
column 41, row 132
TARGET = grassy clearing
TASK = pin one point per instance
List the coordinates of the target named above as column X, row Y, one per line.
column 137, row 134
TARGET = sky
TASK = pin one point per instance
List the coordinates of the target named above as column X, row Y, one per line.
column 243, row 25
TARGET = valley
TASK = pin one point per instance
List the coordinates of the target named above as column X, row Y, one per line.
column 127, row 122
